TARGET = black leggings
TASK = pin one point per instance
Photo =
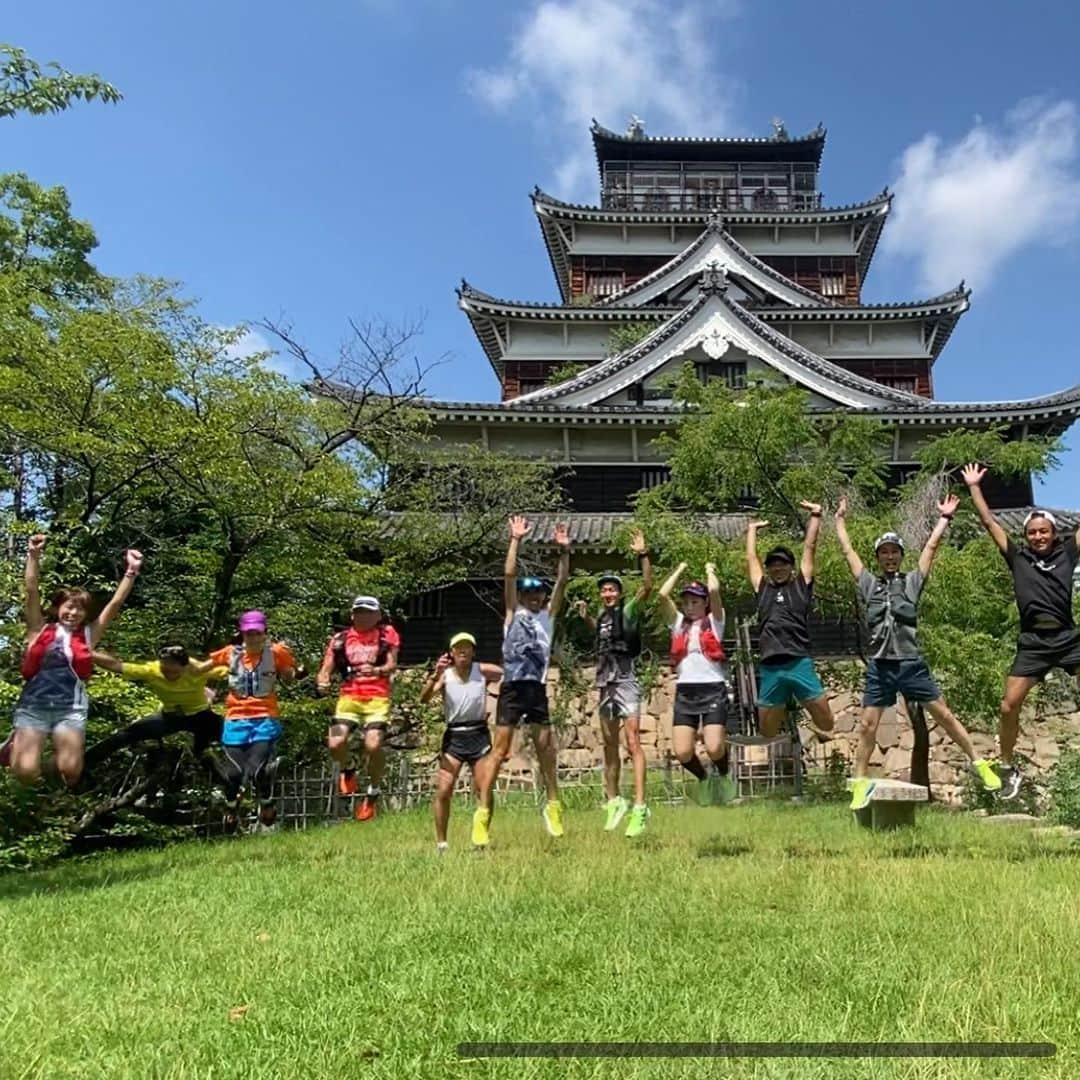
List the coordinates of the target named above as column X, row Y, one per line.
column 251, row 765
column 204, row 726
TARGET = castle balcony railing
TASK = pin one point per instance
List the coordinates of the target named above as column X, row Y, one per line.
column 697, row 201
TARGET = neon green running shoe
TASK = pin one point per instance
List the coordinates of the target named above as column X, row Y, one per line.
column 480, row 819
column 861, row 790
column 987, row 774
column 638, row 816
column 723, row 788
column 703, row 792
column 614, row 811
column 553, row 818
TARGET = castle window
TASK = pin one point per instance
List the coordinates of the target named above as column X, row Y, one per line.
column 651, row 478
column 427, row 605
column 832, row 285
column 900, row 382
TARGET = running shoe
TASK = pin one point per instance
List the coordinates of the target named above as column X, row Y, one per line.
column 1010, row 782
column 5, row 750
column 480, row 819
column 366, row 807
column 614, row 811
column 441, row 847
column 987, row 774
column 346, row 782
column 703, row 792
column 722, row 788
column 861, row 790
column 553, row 817
column 638, row 816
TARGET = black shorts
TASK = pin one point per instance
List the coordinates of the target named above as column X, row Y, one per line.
column 467, row 744
column 1040, row 651
column 700, row 704
column 523, row 702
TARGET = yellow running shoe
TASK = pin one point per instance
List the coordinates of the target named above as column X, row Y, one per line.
column 553, row 817
column 861, row 790
column 481, row 817
column 987, row 774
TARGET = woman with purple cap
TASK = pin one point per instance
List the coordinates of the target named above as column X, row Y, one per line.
column 252, row 725
column 701, row 692
column 1043, row 570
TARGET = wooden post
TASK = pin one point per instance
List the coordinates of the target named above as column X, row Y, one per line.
column 920, row 750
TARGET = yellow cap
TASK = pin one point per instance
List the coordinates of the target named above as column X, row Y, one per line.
column 457, row 639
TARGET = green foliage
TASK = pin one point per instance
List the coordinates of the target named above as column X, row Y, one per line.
column 628, row 335
column 564, row 373
column 1036, row 455
column 27, row 86
column 829, row 784
column 1065, row 790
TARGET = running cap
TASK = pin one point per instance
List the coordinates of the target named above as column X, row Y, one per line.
column 253, row 620
column 1040, row 513
column 780, row 554
column 464, row 638
column 532, row 584
column 609, row 577
column 366, row 603
column 888, row 538
column 694, row 588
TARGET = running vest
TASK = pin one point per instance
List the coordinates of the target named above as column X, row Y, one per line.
column 259, row 681
column 76, row 648
column 341, row 658
column 889, row 605
column 465, row 703
column 711, row 648
column 624, row 639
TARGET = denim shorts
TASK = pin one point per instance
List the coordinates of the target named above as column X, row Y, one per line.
column 887, row 678
column 48, row 717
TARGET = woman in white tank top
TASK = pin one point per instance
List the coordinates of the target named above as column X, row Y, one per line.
column 467, row 740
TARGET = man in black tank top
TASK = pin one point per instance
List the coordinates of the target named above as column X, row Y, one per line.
column 1043, row 570
column 783, row 609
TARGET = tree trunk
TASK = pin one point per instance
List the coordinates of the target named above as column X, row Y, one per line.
column 223, row 590
column 920, row 751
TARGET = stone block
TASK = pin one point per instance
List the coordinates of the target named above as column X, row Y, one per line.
column 897, row 763
column 1046, row 753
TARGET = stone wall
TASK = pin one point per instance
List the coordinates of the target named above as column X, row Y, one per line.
column 1042, row 738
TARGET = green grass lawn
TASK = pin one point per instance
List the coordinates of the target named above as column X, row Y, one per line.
column 356, row 951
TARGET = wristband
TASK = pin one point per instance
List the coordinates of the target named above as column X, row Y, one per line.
column 131, row 573
column 815, row 513
column 947, row 517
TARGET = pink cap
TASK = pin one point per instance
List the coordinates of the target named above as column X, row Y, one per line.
column 253, row 620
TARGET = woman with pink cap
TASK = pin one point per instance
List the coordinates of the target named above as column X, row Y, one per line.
column 252, row 726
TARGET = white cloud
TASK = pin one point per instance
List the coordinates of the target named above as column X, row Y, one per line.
column 964, row 208
column 572, row 60
column 252, row 342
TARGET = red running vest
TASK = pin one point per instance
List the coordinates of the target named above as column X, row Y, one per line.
column 711, row 647
column 80, row 660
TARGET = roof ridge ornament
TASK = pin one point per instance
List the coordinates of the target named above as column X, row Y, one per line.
column 714, row 221
column 636, row 127
column 780, row 132
column 714, row 280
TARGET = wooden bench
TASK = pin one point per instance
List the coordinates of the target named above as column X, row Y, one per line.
column 892, row 805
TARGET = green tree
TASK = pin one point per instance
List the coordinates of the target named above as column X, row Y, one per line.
column 27, row 86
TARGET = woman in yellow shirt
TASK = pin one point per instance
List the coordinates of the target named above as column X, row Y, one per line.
column 179, row 683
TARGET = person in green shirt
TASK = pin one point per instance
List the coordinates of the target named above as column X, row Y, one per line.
column 618, row 644
column 180, row 684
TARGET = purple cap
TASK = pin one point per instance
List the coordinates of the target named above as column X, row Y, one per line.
column 694, row 588
column 253, row 620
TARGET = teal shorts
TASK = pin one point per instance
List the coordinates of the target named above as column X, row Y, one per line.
column 795, row 678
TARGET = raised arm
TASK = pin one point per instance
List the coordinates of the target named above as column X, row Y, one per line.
column 435, row 681
column 753, row 563
column 850, row 553
column 947, row 507
column 107, row 662
column 98, row 627
column 667, row 605
column 813, row 526
column 581, row 609
column 562, row 571
column 519, row 528
column 973, row 476
column 716, row 599
column 641, row 550
column 35, row 618
column 201, row 667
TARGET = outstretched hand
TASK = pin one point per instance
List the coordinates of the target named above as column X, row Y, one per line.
column 841, row 509
column 134, row 560
column 519, row 527
column 710, row 569
column 581, row 608
column 973, row 474
column 947, row 506
column 561, row 535
column 755, row 525
column 36, row 545
column 811, row 507
column 637, row 542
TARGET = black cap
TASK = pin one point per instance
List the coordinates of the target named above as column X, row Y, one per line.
column 780, row 554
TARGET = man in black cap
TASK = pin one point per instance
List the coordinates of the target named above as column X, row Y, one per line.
column 1042, row 571
column 783, row 610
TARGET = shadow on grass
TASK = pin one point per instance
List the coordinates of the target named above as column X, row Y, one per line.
column 1021, row 853
column 723, row 849
column 17, row 885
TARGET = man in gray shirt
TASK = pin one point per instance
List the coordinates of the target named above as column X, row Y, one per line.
column 890, row 602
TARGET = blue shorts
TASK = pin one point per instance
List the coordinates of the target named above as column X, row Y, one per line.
column 246, row 732
column 47, row 718
column 794, row 678
column 887, row 678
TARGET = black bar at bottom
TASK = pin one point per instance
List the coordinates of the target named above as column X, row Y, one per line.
column 755, row 1050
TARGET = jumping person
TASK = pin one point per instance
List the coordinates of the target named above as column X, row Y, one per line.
column 56, row 666
column 697, row 655
column 180, row 684
column 618, row 643
column 1042, row 572
column 364, row 657
column 252, row 725
column 783, row 609
column 890, row 601
column 464, row 687
column 527, row 632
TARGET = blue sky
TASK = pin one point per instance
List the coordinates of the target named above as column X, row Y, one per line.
column 358, row 158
